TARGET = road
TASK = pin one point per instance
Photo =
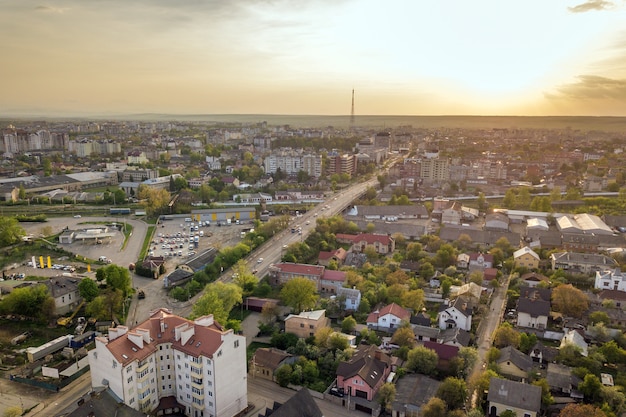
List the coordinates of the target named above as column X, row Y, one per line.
column 486, row 329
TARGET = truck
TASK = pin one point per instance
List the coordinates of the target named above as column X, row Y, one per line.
column 196, row 241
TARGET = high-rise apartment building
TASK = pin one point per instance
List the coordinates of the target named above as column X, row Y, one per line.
column 168, row 362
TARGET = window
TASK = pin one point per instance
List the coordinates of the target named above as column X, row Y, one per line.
column 236, row 344
column 311, row 326
column 301, row 324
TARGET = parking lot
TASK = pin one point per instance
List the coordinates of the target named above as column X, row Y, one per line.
column 179, row 240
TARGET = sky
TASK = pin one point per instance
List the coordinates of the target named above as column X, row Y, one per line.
column 401, row 57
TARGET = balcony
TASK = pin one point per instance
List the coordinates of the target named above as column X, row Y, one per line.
column 142, row 367
column 196, row 372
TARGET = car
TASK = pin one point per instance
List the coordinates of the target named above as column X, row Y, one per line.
column 141, row 295
column 336, row 392
column 260, row 260
column 77, row 216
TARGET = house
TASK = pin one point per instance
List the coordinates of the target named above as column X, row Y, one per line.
column 532, row 279
column 301, row 404
column 142, row 366
column 480, row 261
column 514, row 363
column 523, row 399
column 306, row 323
column 338, row 256
column 497, row 221
column 177, row 278
column 282, row 272
column 462, row 261
column 64, row 291
column 426, row 333
column 445, row 353
column 454, row 337
column 452, row 213
column 421, row 319
column 542, row 353
column 100, row 403
column 610, row 280
column 526, row 258
column 586, row 263
column 364, row 373
column 331, row 281
column 388, row 318
column 383, row 244
column 533, row 312
column 457, row 314
column 560, row 379
column 573, row 337
column 266, row 361
column 351, row 298
column 412, row 392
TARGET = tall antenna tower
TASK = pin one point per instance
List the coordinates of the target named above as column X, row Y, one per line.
column 352, row 112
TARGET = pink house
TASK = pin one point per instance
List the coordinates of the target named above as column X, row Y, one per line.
column 364, row 373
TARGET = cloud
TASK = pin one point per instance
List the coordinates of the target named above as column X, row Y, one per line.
column 591, row 5
column 50, row 9
column 591, row 87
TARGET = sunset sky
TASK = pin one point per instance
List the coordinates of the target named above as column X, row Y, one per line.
column 402, row 57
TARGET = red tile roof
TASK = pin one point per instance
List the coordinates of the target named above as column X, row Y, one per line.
column 392, row 308
column 161, row 326
column 445, row 352
column 300, row 269
column 331, row 275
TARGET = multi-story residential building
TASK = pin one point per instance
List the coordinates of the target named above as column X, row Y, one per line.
column 291, row 161
column 64, row 291
column 526, row 257
column 17, row 140
column 282, row 272
column 138, row 175
column 586, row 263
column 196, row 367
column 611, row 279
column 137, row 157
column 86, row 147
column 341, row 163
column 382, row 243
column 306, row 323
column 435, row 170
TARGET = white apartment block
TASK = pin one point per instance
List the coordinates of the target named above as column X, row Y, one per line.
column 292, row 161
column 167, row 361
column 435, row 170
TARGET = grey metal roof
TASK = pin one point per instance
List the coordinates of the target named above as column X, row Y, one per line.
column 514, row 394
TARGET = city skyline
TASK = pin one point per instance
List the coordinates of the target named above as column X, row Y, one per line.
column 535, row 58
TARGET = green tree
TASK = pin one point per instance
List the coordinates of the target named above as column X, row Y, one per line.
column 435, row 407
column 590, row 387
column 506, row 335
column 599, row 317
column 508, row 413
column 299, row 293
column 480, row 383
column 348, row 325
column 33, row 301
column 386, row 394
column 423, row 360
column 246, row 280
column 88, row 289
column 546, row 396
column 218, row 299
column 453, row 392
column 10, row 231
column 404, row 336
column 569, row 300
column 118, row 278
column 283, row 375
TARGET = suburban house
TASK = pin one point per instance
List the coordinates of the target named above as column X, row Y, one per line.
column 282, row 272
column 462, row 261
column 145, row 366
column 388, row 318
column 610, row 280
column 543, row 354
column 480, row 261
column 561, row 380
column 497, row 221
column 514, row 363
column 351, row 298
column 523, row 399
column 445, row 353
column 454, row 337
column 300, row 404
column 457, row 314
column 425, row 333
column 526, row 258
column 338, row 255
column 586, row 263
column 412, row 392
column 533, row 312
column 573, row 337
column 364, row 373
column 452, row 213
column 532, row 279
column 266, row 361
column 306, row 323
column 331, row 281
column 64, row 291
column 382, row 243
